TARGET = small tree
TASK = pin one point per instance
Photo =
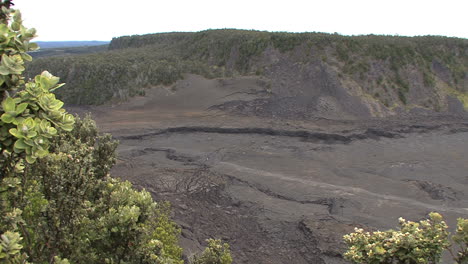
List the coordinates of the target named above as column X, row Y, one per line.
column 460, row 238
column 413, row 243
column 214, row 253
column 57, row 201
column 30, row 115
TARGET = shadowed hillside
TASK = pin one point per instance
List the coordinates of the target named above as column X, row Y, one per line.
column 305, row 74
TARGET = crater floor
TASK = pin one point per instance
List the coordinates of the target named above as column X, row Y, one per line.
column 277, row 190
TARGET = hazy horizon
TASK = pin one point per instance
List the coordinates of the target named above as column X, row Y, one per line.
column 91, row 40
column 103, row 20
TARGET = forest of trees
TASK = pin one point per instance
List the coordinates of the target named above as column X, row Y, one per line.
column 134, row 63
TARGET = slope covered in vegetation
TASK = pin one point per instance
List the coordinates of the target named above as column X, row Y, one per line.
column 385, row 72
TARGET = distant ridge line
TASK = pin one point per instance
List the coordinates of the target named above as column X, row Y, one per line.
column 69, row 44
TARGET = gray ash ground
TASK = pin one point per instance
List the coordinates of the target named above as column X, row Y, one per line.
column 285, row 190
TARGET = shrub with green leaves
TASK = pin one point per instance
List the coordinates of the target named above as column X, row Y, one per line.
column 29, row 114
column 29, row 117
column 10, row 248
column 414, row 243
column 460, row 239
column 215, row 253
column 61, row 205
column 71, row 208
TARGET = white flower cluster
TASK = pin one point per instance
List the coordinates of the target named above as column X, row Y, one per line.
column 422, row 242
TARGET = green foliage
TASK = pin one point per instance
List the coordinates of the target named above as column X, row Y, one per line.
column 134, row 63
column 10, row 248
column 62, row 206
column 32, row 115
column 32, row 118
column 418, row 243
column 288, row 41
column 14, row 45
column 56, row 188
column 428, row 79
column 125, row 225
column 214, row 253
column 460, row 238
column 29, row 116
column 72, row 208
column 98, row 78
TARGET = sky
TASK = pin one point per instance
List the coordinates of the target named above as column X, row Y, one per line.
column 67, row 20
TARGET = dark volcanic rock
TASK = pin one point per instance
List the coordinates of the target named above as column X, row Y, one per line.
column 284, row 190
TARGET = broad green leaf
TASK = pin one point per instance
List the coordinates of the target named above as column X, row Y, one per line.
column 67, row 122
column 30, row 159
column 16, row 133
column 11, row 242
column 7, row 61
column 31, row 134
column 7, row 118
column 51, row 131
column 49, row 103
column 3, row 39
column 30, row 33
column 40, row 153
column 18, row 120
column 14, row 64
column 56, row 87
column 33, row 89
column 29, row 142
column 21, row 107
column 46, row 129
column 40, row 141
column 19, row 144
column 30, row 123
column 17, row 16
column 3, row 29
column 48, row 81
column 33, row 46
column 15, row 26
column 8, row 104
column 26, row 56
column 43, row 125
column 4, row 70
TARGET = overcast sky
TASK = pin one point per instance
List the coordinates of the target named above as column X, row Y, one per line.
column 105, row 19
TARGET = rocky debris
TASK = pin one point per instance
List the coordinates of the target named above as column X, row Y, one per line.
column 435, row 191
column 284, row 189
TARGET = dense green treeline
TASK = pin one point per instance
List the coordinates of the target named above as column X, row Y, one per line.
column 134, row 63
column 64, row 51
column 97, row 78
column 217, row 44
